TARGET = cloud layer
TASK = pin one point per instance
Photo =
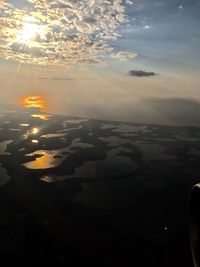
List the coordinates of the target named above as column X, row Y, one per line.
column 68, row 31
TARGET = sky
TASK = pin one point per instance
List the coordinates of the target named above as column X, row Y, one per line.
column 123, row 60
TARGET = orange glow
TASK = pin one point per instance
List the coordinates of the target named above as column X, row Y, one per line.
column 34, row 102
column 44, row 161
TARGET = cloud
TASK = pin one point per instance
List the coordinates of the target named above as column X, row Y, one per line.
column 124, row 56
column 67, row 32
column 146, row 27
column 141, row 73
column 128, row 2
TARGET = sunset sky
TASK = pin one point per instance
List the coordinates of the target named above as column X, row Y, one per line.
column 122, row 60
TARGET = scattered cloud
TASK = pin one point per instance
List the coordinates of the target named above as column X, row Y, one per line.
column 61, row 32
column 128, row 2
column 146, row 27
column 141, row 73
column 124, row 56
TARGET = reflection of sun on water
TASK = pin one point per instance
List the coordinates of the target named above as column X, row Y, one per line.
column 44, row 117
column 35, row 141
column 45, row 160
column 35, row 131
column 31, row 132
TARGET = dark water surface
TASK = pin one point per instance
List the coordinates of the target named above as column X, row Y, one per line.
column 84, row 191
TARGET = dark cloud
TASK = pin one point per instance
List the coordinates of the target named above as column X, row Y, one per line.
column 141, row 73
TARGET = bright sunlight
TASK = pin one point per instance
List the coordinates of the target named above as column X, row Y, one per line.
column 31, row 32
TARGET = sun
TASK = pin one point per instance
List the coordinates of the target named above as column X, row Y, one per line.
column 34, row 101
column 30, row 32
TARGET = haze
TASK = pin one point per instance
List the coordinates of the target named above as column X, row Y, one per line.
column 117, row 60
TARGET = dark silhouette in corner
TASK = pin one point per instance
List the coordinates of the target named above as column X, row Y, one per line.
column 194, row 223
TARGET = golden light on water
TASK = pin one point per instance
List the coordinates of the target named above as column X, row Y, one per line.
column 45, row 161
column 41, row 162
column 24, row 125
column 35, row 131
column 44, row 117
column 35, row 141
column 31, row 132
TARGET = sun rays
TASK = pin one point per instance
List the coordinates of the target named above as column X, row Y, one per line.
column 61, row 33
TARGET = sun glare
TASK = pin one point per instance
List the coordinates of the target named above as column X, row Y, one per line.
column 31, row 32
column 35, row 131
column 34, row 101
